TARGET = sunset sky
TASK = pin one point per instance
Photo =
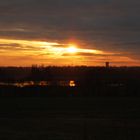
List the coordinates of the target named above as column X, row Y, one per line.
column 69, row 32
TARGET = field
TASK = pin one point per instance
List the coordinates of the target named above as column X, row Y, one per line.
column 96, row 118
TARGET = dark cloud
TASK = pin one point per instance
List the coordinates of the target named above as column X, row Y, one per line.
column 18, row 47
column 86, row 54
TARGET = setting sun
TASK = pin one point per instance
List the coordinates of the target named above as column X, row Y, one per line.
column 72, row 49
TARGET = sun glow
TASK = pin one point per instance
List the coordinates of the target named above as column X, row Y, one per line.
column 28, row 52
column 72, row 49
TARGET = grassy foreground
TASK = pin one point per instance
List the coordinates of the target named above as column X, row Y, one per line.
column 114, row 118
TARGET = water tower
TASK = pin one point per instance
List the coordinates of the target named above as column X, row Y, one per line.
column 107, row 64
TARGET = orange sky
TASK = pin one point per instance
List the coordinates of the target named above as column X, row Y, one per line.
column 41, row 32
column 28, row 52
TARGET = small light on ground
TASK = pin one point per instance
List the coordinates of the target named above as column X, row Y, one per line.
column 72, row 83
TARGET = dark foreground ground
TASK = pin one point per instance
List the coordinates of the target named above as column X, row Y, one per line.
column 96, row 118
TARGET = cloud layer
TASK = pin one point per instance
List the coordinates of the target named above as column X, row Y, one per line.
column 108, row 25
